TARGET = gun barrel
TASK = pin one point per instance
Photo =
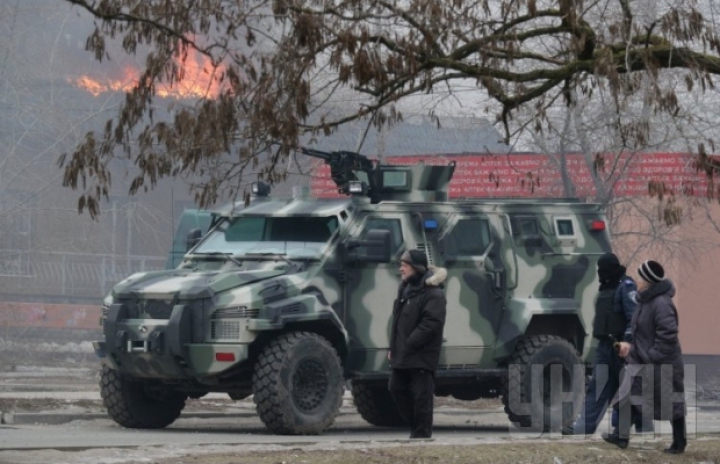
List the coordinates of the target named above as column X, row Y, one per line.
column 316, row 153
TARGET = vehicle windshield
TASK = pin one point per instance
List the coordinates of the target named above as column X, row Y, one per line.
column 293, row 237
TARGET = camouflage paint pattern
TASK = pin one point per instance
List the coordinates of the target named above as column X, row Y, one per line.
column 172, row 324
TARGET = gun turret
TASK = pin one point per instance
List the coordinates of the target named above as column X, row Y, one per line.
column 382, row 181
column 343, row 165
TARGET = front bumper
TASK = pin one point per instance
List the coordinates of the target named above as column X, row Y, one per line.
column 201, row 361
column 156, row 348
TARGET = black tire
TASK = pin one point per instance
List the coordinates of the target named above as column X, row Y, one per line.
column 376, row 406
column 139, row 405
column 298, row 384
column 546, row 351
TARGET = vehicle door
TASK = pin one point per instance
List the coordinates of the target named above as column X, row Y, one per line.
column 370, row 289
column 470, row 248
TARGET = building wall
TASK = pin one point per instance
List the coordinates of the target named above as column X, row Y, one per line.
column 694, row 268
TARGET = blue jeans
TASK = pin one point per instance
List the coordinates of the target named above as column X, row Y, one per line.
column 604, row 383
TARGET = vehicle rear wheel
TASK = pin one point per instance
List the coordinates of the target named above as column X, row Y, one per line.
column 139, row 405
column 298, row 384
column 528, row 392
column 376, row 405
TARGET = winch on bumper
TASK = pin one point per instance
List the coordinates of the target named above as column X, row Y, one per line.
column 163, row 348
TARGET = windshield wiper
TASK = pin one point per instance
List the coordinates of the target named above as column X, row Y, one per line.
column 269, row 255
column 227, row 256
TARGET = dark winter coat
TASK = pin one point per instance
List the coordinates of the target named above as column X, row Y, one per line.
column 655, row 343
column 417, row 322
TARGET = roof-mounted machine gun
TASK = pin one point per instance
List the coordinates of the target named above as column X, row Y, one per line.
column 344, row 166
column 356, row 174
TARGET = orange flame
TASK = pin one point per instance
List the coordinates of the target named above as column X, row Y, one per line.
column 199, row 80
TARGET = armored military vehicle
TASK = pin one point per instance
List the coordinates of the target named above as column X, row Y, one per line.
column 286, row 299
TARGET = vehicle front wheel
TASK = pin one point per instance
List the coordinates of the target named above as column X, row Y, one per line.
column 139, row 405
column 298, row 384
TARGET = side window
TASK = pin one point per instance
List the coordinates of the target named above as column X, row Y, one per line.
column 526, row 230
column 564, row 227
column 525, row 227
column 469, row 237
column 392, row 225
column 528, row 227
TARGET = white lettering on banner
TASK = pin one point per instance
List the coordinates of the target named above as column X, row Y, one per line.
column 535, row 175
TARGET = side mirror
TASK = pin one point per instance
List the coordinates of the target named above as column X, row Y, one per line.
column 193, row 237
column 376, row 248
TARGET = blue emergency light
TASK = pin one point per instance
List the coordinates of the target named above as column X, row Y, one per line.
column 430, row 224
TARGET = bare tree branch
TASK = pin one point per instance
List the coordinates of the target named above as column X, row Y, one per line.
column 292, row 67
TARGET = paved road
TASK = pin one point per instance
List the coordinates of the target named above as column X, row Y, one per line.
column 237, row 429
column 230, row 427
column 101, row 440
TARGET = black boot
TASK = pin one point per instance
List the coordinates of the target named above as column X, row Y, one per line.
column 679, row 439
column 615, row 439
column 620, row 434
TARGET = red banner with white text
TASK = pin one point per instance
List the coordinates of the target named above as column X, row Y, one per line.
column 539, row 175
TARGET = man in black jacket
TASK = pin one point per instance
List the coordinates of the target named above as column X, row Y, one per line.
column 417, row 332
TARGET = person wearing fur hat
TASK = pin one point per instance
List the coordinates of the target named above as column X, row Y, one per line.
column 654, row 355
column 614, row 309
column 418, row 320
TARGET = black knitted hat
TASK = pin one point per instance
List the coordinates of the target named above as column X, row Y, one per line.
column 651, row 272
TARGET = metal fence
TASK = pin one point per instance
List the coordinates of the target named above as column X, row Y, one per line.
column 78, row 275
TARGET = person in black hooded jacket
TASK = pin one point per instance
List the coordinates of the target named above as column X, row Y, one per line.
column 416, row 336
column 614, row 308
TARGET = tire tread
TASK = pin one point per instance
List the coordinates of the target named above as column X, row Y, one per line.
column 267, row 390
column 122, row 396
